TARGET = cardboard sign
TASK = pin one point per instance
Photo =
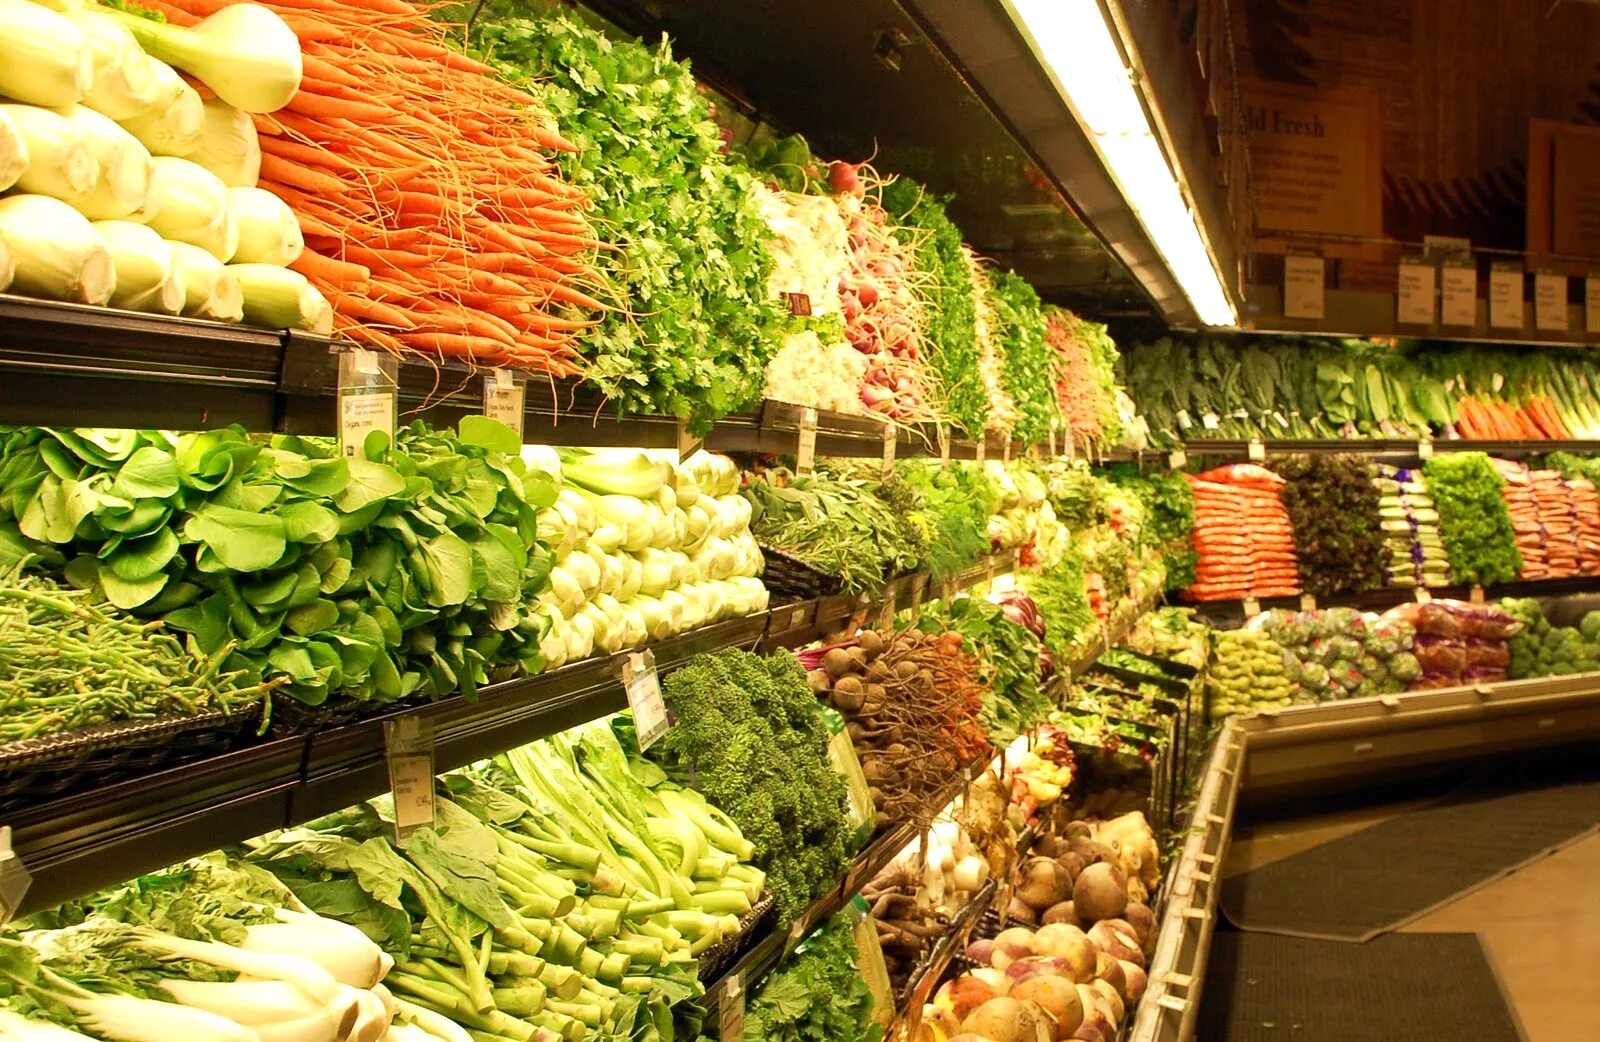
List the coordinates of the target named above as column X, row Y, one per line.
column 1305, row 288
column 1459, row 293
column 1550, row 301
column 1417, row 294
column 1505, row 297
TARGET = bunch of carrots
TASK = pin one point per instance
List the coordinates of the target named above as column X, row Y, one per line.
column 1534, row 420
column 433, row 217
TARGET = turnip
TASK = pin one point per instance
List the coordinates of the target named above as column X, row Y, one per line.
column 1007, row 1020
column 1065, row 912
column 1136, row 981
column 996, row 979
column 1100, row 892
column 981, row 951
column 1022, row 912
column 1116, row 938
column 1110, row 997
column 1011, row 945
column 1068, row 943
column 1143, row 922
column 1058, row 997
column 1044, row 883
column 1095, row 1011
column 961, row 995
column 1039, row 966
column 1110, row 970
column 1073, row 862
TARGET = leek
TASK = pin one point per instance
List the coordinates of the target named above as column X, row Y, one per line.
column 13, row 152
column 174, row 124
column 123, row 83
column 191, row 205
column 210, row 289
column 122, row 188
column 144, row 268
column 269, row 232
column 229, row 146
column 282, row 299
column 44, row 58
column 56, row 252
column 244, row 53
column 60, row 163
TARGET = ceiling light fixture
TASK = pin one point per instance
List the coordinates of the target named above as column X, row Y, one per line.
column 1078, row 48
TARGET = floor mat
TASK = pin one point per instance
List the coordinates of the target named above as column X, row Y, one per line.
column 1358, row 886
column 1421, row 987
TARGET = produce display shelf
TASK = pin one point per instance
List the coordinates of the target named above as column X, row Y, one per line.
column 767, row 953
column 920, row 988
column 1221, row 613
column 71, row 365
column 1394, row 449
column 79, row 843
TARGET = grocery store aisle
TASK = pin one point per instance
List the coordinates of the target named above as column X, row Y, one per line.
column 1540, row 925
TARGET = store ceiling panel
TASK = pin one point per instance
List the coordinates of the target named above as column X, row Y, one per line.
column 862, row 78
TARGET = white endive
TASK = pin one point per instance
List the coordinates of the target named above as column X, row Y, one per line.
column 56, row 251
column 146, row 278
column 122, row 187
column 173, row 125
column 279, row 298
column 229, row 146
column 13, row 152
column 269, row 232
column 123, row 83
column 210, row 289
column 60, row 163
column 44, row 58
column 244, row 52
column 191, row 206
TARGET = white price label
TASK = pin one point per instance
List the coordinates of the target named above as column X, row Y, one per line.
column 891, row 442
column 1425, row 449
column 730, row 1012
column 1304, row 286
column 981, row 448
column 798, row 618
column 1252, row 607
column 1505, row 298
column 1423, row 595
column 1184, row 419
column 1475, row 595
column 1211, row 421
column 1550, row 301
column 503, row 399
column 361, row 413
column 1591, row 304
column 1459, row 295
column 1258, row 451
column 643, row 685
column 1308, row 602
column 1177, row 459
column 805, row 457
column 1417, row 294
column 365, row 361
column 14, row 878
column 408, row 744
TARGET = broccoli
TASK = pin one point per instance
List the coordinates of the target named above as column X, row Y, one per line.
column 747, row 734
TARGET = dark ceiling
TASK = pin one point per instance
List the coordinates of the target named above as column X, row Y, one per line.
column 825, row 68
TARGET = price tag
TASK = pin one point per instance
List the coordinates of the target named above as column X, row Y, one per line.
column 1308, row 602
column 688, row 444
column 798, row 618
column 1459, row 293
column 367, row 398
column 886, row 614
column 981, row 449
column 1177, row 459
column 14, row 878
column 1252, row 607
column 1417, row 294
column 1185, row 421
column 805, row 457
column 1052, row 441
column 1591, row 304
column 891, row 442
column 943, row 434
column 504, row 398
column 1423, row 595
column 919, row 586
column 1475, row 595
column 797, row 933
column 1550, row 301
column 1304, row 286
column 643, row 684
column 1258, row 451
column 408, row 745
column 1505, row 297
column 1211, row 421
column 1003, row 583
column 730, row 1013
column 1425, row 449
column 799, row 304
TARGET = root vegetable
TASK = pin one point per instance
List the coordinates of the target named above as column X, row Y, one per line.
column 960, row 996
column 980, row 951
column 1110, row 970
column 1011, row 945
column 1100, row 891
column 1074, row 863
column 1044, row 883
column 1058, row 997
column 1022, row 912
column 1111, row 997
column 819, row 680
column 1143, row 922
column 1065, row 913
column 1116, row 938
column 1069, row 944
column 1005, row 1019
column 1136, row 980
column 838, row 662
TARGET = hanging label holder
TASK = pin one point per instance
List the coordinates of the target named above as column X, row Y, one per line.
column 368, row 398
column 15, row 879
column 805, row 456
column 643, row 685
column 505, row 398
column 408, row 747
column 891, row 444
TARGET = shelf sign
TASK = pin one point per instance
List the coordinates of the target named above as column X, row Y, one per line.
column 1550, row 301
column 688, row 444
column 367, row 398
column 943, row 434
column 408, row 746
column 1591, row 304
column 1417, row 293
column 1308, row 602
column 1304, row 286
column 14, row 878
column 1505, row 296
column 805, row 456
column 799, row 304
column 643, row 685
column 1423, row 595
column 504, row 398
column 891, row 442
column 730, row 1011
column 1425, row 449
column 981, row 448
column 1177, row 459
column 1252, row 607
column 1475, row 595
column 1258, row 450
column 1459, row 292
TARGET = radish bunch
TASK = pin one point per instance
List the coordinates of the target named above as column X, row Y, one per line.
column 883, row 318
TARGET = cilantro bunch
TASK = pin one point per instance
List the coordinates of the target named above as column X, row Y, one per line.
column 1474, row 522
column 690, row 264
column 1333, row 508
column 748, row 736
column 1029, row 374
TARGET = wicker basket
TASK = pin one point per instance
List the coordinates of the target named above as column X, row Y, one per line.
column 790, row 578
column 717, row 958
column 57, row 765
